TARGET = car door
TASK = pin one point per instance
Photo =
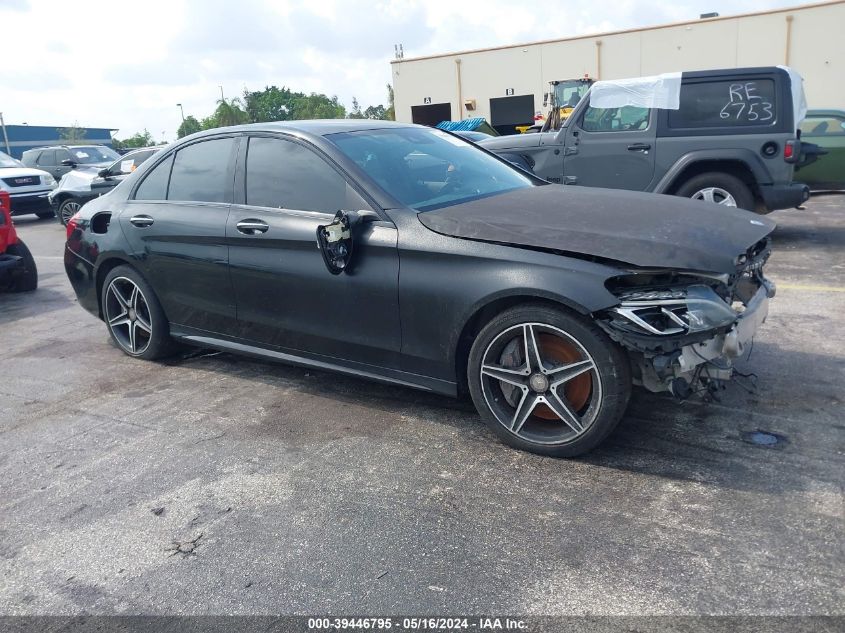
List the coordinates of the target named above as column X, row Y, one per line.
column 60, row 170
column 828, row 131
column 47, row 162
column 611, row 147
column 175, row 224
column 286, row 297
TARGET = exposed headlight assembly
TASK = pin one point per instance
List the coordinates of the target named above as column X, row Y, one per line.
column 677, row 311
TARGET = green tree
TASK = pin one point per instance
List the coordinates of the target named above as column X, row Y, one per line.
column 317, row 106
column 226, row 113
column 73, row 134
column 188, row 126
column 270, row 104
column 139, row 139
column 390, row 115
column 375, row 112
column 356, row 113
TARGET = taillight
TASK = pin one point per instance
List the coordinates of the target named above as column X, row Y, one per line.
column 791, row 151
column 5, row 202
column 71, row 224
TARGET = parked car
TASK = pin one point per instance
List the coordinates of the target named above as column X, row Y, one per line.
column 825, row 128
column 27, row 188
column 86, row 183
column 732, row 140
column 60, row 159
column 545, row 303
column 17, row 266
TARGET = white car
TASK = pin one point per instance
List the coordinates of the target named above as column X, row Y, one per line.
column 28, row 188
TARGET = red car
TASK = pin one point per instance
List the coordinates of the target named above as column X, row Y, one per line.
column 17, row 266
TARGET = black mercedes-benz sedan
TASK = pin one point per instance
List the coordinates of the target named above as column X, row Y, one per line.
column 408, row 255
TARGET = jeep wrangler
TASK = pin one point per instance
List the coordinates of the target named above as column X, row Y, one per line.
column 731, row 137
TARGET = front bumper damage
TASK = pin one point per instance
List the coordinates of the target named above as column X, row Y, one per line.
column 692, row 346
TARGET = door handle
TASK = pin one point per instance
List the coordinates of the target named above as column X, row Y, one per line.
column 639, row 147
column 251, row 227
column 141, row 221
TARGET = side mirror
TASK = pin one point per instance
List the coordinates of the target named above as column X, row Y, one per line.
column 104, row 173
column 337, row 239
column 67, row 162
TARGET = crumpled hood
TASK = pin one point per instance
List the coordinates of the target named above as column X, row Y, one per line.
column 79, row 178
column 641, row 229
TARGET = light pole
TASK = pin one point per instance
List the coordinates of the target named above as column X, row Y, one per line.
column 182, row 110
column 222, row 98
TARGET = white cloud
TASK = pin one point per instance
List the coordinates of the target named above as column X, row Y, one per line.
column 128, row 66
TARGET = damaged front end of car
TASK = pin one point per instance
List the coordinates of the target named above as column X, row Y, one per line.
column 683, row 329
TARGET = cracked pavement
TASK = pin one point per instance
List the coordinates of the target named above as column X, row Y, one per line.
column 212, row 484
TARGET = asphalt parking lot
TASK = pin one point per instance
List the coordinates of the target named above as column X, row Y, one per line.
column 211, row 484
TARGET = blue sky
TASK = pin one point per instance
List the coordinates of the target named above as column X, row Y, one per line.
column 127, row 64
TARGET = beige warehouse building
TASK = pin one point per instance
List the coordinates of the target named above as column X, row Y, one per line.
column 506, row 85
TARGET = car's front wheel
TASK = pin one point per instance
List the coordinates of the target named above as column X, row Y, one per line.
column 67, row 209
column 134, row 316
column 548, row 381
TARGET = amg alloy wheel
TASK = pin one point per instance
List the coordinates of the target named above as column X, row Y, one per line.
column 128, row 316
column 134, row 315
column 547, row 381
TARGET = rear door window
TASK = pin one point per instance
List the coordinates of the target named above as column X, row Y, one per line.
column 47, row 158
column 710, row 104
column 154, row 185
column 201, row 172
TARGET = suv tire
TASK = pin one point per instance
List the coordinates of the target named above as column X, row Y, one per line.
column 565, row 404
column 718, row 187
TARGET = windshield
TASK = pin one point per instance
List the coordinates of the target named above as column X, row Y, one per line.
column 427, row 169
column 8, row 161
column 569, row 93
column 88, row 154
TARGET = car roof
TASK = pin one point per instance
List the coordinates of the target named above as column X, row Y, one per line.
column 316, row 127
column 37, row 149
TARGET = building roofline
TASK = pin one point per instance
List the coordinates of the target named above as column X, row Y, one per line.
column 638, row 29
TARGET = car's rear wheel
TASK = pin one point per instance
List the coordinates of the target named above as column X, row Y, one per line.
column 26, row 279
column 718, row 188
column 67, row 209
column 548, row 381
column 134, row 316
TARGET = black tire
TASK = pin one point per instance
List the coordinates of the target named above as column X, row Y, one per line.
column 607, row 370
column 67, row 208
column 718, row 180
column 147, row 313
column 44, row 215
column 27, row 279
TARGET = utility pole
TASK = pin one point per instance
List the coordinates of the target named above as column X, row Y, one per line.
column 182, row 110
column 5, row 136
column 222, row 98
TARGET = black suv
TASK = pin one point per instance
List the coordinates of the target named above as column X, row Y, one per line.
column 60, row 159
column 733, row 140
